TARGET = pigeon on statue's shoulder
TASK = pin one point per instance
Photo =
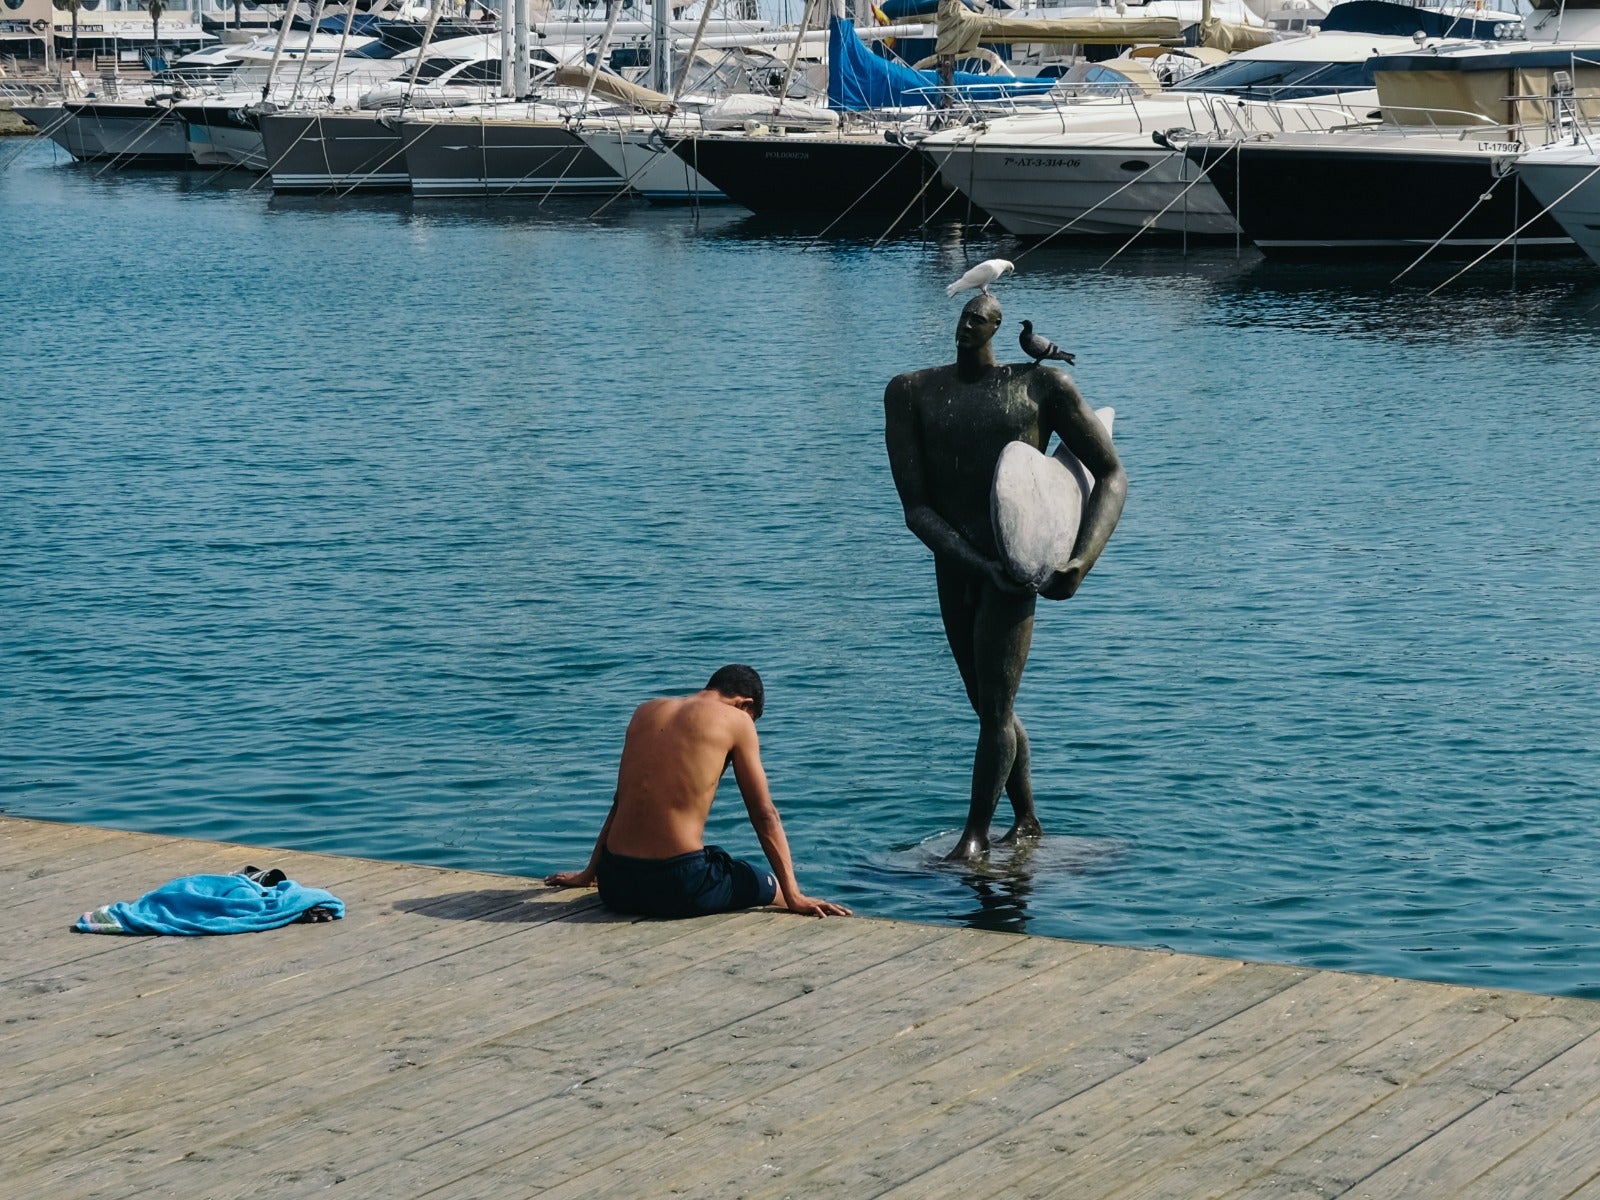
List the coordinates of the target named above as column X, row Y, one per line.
column 1040, row 348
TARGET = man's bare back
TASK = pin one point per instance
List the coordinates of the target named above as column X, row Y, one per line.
column 673, row 757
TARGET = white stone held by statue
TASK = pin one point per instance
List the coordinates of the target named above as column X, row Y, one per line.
column 1036, row 504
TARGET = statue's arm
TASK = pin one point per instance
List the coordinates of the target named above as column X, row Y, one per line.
column 1083, row 434
column 904, row 440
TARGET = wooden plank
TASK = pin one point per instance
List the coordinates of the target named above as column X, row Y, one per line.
column 1344, row 1092
column 876, row 1082
column 546, row 1069
column 1511, row 1099
column 459, row 1053
column 465, row 1035
column 1081, row 1106
column 289, row 969
column 82, row 985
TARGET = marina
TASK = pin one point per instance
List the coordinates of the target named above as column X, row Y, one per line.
column 1358, row 739
column 1370, row 126
column 379, row 432
column 463, row 1034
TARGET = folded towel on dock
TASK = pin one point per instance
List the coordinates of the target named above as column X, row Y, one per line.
column 196, row 904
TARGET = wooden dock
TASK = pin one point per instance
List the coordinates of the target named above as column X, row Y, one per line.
column 480, row 1036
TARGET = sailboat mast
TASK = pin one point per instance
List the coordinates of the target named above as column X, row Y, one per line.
column 660, row 46
column 521, row 78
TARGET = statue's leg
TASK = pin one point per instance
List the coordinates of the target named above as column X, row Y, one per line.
column 958, row 608
column 1019, row 790
column 1002, row 631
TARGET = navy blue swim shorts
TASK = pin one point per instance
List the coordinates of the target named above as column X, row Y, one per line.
column 687, row 885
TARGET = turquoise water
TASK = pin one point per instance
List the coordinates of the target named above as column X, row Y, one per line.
column 360, row 526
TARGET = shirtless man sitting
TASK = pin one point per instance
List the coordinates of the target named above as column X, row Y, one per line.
column 650, row 859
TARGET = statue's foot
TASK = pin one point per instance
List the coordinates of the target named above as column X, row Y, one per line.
column 1027, row 829
column 970, row 848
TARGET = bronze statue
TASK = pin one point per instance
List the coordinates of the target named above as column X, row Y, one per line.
column 945, row 428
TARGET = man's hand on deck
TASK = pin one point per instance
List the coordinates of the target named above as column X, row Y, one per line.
column 571, row 879
column 807, row 907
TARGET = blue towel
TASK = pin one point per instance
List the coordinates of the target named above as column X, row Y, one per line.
column 209, row 904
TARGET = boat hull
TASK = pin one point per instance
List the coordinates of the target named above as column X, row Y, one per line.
column 1566, row 178
column 827, row 175
column 1107, row 191
column 220, row 136
column 319, row 152
column 502, row 157
column 1361, row 194
column 127, row 133
column 644, row 159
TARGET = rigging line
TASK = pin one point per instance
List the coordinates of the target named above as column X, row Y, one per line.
column 289, row 11
column 404, row 146
column 305, row 55
column 1150, row 223
column 1104, row 200
column 1445, row 236
column 46, row 133
column 344, row 40
column 1515, row 232
column 314, row 120
column 576, row 153
column 926, row 184
column 520, row 179
column 794, row 57
column 149, row 128
column 422, row 53
column 613, row 11
column 827, row 229
column 694, row 49
column 627, row 183
column 938, row 208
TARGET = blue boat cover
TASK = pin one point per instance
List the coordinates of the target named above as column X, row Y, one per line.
column 858, row 79
column 209, row 904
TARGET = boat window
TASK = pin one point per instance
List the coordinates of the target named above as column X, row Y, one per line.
column 432, row 68
column 487, row 71
column 1264, row 79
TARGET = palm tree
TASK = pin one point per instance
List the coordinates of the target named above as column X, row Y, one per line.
column 156, row 8
column 73, row 6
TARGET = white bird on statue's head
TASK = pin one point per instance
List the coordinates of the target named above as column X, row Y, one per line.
column 981, row 276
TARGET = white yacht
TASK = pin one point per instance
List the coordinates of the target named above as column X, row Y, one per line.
column 1440, row 172
column 1099, row 167
column 1564, row 177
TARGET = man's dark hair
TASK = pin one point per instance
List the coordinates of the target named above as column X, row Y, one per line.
column 736, row 680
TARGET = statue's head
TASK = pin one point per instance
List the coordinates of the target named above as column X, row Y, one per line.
column 979, row 319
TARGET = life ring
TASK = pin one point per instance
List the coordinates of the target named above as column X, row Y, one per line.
column 995, row 64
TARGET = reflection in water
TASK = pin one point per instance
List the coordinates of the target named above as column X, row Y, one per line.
column 1002, row 882
column 1008, row 876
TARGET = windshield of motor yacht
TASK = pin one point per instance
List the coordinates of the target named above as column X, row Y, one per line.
column 1263, row 79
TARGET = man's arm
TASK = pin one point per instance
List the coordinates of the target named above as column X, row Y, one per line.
column 752, row 780
column 904, row 441
column 585, row 877
column 1083, row 434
